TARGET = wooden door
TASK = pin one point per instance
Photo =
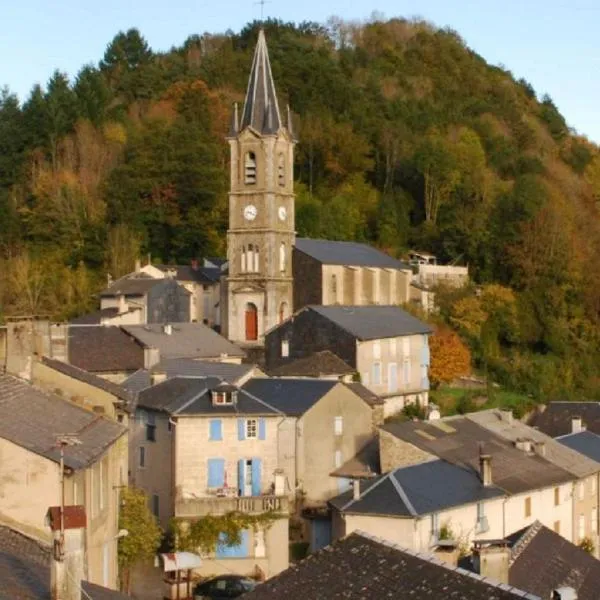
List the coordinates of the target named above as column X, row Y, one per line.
column 251, row 322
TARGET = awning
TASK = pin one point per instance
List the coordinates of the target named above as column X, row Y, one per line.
column 180, row 561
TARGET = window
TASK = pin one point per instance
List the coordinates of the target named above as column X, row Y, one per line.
column 557, row 527
column 392, row 377
column 142, row 457
column 556, row 496
column 482, row 522
column 251, row 429
column 215, row 430
column 220, row 398
column 581, row 527
column 376, row 379
column 225, row 550
column 581, row 490
column 527, row 507
column 256, row 260
column 250, row 168
column 338, row 425
column 282, row 257
column 243, row 265
column 337, row 462
column 435, row 524
column 155, row 505
column 594, row 520
column 392, row 346
column 376, row 350
column 285, row 348
column 150, row 427
column 281, row 169
column 406, row 347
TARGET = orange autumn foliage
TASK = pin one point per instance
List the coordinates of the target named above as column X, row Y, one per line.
column 450, row 357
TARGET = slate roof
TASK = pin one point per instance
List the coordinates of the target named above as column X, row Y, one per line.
column 104, row 349
column 191, row 396
column 556, row 418
column 76, row 373
column 361, row 567
column 417, row 490
column 373, row 322
column 292, row 397
column 541, row 561
column 556, row 453
column 95, row 318
column 584, row 442
column 366, row 463
column 187, row 367
column 371, row 398
column 318, row 364
column 188, row 273
column 25, row 570
column 32, row 418
column 347, row 253
column 460, row 441
column 187, row 340
column 134, row 284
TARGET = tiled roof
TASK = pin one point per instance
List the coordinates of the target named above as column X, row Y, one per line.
column 32, row 418
column 373, row 322
column 318, row 364
column 513, row 430
column 186, row 340
column 189, row 273
column 371, row 398
column 104, row 349
column 192, row 396
column 366, row 462
column 188, row 367
column 95, row 318
column 584, row 442
column 347, row 253
column 555, row 420
column 360, row 567
column 542, row 561
column 76, row 373
column 417, row 490
column 134, row 284
column 290, row 396
column 460, row 441
column 25, row 570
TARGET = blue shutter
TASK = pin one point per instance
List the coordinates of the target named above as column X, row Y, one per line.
column 216, row 430
column 256, row 469
column 262, row 430
column 241, row 476
column 241, row 429
column 216, row 472
column 240, row 550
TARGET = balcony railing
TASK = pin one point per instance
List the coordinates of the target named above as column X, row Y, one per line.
column 213, row 505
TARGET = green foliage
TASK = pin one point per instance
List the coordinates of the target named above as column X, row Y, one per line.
column 588, row 545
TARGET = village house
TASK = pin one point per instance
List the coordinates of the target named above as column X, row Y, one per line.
column 34, row 424
column 561, row 418
column 387, row 346
column 536, row 487
column 201, row 446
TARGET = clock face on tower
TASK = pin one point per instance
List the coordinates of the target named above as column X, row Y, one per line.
column 250, row 212
column 282, row 213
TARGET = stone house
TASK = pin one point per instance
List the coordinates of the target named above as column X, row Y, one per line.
column 95, row 469
column 388, row 347
column 201, row 446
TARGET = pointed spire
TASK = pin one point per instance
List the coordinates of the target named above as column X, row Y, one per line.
column 261, row 111
column 234, row 126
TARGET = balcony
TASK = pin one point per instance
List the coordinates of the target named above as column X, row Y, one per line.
column 215, row 505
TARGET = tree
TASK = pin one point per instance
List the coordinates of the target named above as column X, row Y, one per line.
column 450, row 357
column 143, row 537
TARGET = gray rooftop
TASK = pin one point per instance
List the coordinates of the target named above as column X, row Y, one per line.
column 199, row 274
column 351, row 254
column 134, row 284
column 318, row 364
column 32, row 418
column 417, row 490
column 584, row 442
column 186, row 340
column 188, row 367
column 373, row 322
column 290, row 396
column 556, row 418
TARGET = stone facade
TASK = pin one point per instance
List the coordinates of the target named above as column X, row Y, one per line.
column 394, row 452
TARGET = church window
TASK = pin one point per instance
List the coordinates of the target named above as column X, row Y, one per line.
column 250, row 168
column 243, row 259
column 282, row 257
column 281, row 170
column 256, row 260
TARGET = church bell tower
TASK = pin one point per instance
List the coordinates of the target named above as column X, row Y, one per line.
column 261, row 234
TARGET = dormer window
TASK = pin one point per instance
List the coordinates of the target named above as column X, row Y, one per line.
column 224, row 395
column 250, row 168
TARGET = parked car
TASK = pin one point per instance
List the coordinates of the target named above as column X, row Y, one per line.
column 224, row 586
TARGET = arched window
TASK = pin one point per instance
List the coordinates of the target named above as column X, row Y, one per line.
column 243, row 259
column 250, row 168
column 282, row 257
column 251, row 322
column 256, row 260
column 281, row 169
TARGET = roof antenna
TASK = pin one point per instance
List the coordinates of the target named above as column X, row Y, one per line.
column 262, row 8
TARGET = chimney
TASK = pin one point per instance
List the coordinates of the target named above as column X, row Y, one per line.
column 138, row 265
column 356, row 489
column 491, row 559
column 447, row 551
column 485, row 469
column 158, row 377
column 576, row 424
column 507, row 416
column 540, row 448
column 168, row 329
column 67, row 568
column 122, row 306
column 523, row 444
column 564, row 593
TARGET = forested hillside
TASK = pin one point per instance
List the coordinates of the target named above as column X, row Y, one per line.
column 407, row 139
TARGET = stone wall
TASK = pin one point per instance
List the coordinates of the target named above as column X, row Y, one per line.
column 398, row 453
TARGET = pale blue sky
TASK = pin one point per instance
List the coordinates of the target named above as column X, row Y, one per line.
column 554, row 44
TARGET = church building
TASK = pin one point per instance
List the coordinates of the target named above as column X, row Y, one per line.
column 271, row 273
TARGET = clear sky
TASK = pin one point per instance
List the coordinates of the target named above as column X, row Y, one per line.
column 554, row 44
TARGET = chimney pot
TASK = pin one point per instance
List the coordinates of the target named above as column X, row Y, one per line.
column 576, row 424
